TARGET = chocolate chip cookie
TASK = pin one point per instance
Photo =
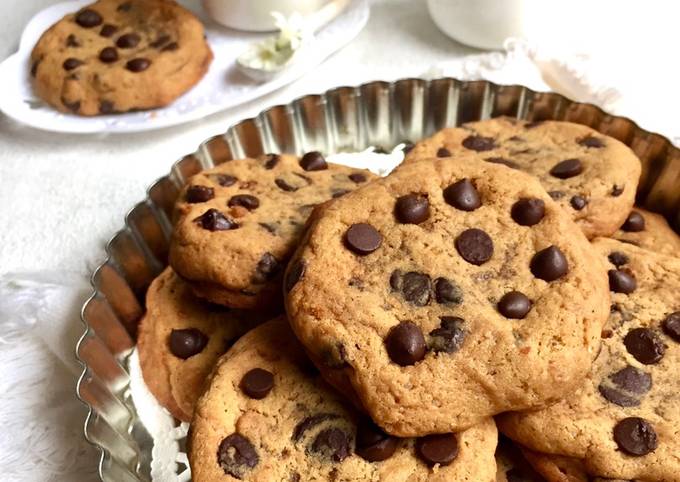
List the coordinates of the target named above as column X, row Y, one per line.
column 180, row 339
column 592, row 176
column 120, row 55
column 558, row 468
column 238, row 223
column 445, row 293
column 650, row 231
column 623, row 421
column 268, row 416
column 511, row 465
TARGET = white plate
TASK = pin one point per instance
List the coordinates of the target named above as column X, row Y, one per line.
column 222, row 87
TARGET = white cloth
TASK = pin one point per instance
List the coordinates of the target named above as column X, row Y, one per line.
column 63, row 196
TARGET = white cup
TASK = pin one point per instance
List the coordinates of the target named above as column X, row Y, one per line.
column 483, row 24
column 255, row 15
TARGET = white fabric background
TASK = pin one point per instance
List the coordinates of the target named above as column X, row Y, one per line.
column 62, row 196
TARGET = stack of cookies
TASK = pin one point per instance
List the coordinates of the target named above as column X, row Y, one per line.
column 320, row 323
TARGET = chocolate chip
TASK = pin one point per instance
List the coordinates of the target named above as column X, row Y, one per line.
column 236, row 455
column 578, row 202
column 187, row 342
column 213, row 220
column 339, row 193
column 671, row 326
column 503, row 161
column 128, row 41
column 271, row 160
column 622, row 386
column 257, row 383
column 635, row 436
column 224, row 180
column 108, row 55
column 443, row 152
column 405, row 344
column 634, row 223
column 72, row 41
column 72, row 106
column 124, row 7
column 313, row 161
column 617, row 258
column 407, row 146
column 108, row 30
column 283, row 185
column 362, row 238
column 567, row 168
column 244, row 200
column 439, row 449
column 462, row 195
column 528, row 211
column 372, row 443
column 160, row 41
column 71, row 63
column 415, row 288
column 413, row 208
column 447, row 292
column 450, row 335
column 479, row 143
column 294, row 477
column 138, row 65
column 632, row 380
column 621, row 281
column 332, row 443
column 556, row 194
column 590, row 141
column 199, row 194
column 294, row 274
column 549, row 264
column 267, row 268
column 475, row 246
column 171, row 47
column 515, row 305
column 617, row 397
column 311, row 422
column 106, row 107
column 34, row 68
column 644, row 345
column 88, row 18
column 617, row 190
column 357, row 177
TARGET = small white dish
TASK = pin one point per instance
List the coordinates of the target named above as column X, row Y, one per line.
column 268, row 58
column 224, row 86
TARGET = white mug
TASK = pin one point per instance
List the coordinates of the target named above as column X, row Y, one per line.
column 255, row 15
column 483, row 24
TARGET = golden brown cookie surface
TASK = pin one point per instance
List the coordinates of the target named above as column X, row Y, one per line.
column 650, row 231
column 120, row 55
column 239, row 223
column 623, row 421
column 268, row 416
column 456, row 274
column 180, row 339
column 592, row 176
